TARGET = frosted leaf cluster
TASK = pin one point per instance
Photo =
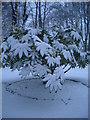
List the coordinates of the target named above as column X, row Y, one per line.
column 25, row 38
column 12, row 41
column 41, row 70
column 67, row 55
column 52, row 82
column 75, row 35
column 52, row 61
column 43, row 47
column 21, row 48
column 59, row 45
column 25, row 71
column 55, row 80
column 4, row 46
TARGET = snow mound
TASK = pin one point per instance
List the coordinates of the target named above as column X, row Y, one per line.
column 34, row 89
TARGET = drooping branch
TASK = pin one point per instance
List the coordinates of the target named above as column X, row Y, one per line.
column 64, row 66
column 67, row 69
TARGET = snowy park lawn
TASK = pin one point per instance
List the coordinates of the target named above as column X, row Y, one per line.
column 30, row 99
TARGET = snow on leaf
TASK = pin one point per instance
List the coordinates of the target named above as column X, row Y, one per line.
column 50, row 60
column 25, row 71
column 36, row 38
column 20, row 53
column 45, row 38
column 73, row 47
column 67, row 55
column 25, row 52
column 41, row 70
column 33, row 54
column 43, row 48
column 25, row 38
column 17, row 66
column 52, row 82
column 34, row 31
column 16, row 51
column 75, row 35
column 83, row 55
column 47, row 77
column 58, row 45
column 57, row 60
column 21, row 48
column 3, row 56
column 59, row 73
column 12, row 41
column 4, row 46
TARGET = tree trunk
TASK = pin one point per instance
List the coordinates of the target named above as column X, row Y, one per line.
column 44, row 15
column 25, row 16
column 81, row 7
column 40, row 18
column 84, row 17
column 88, row 27
column 14, row 13
column 36, row 14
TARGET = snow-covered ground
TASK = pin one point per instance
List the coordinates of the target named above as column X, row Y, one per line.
column 78, row 74
column 29, row 98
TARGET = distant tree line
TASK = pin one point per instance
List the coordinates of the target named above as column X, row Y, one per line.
column 48, row 14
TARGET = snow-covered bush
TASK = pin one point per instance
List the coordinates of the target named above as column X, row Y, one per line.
column 43, row 54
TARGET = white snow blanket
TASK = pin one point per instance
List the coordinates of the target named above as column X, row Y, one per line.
column 30, row 99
